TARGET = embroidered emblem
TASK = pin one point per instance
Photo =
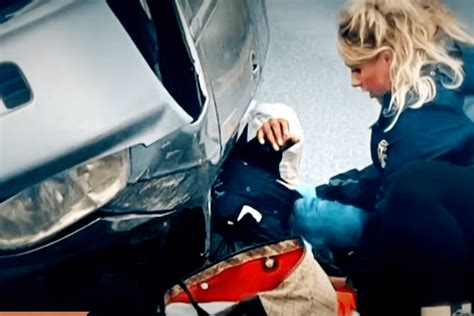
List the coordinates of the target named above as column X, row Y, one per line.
column 382, row 152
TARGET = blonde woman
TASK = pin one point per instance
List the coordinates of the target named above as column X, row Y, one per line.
column 416, row 57
column 414, row 206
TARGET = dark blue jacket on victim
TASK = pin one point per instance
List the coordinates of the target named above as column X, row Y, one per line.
column 439, row 130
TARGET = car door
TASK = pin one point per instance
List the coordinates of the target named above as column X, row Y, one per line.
column 231, row 38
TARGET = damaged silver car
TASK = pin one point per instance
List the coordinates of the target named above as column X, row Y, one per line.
column 114, row 119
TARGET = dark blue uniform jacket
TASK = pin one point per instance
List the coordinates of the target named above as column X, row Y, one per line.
column 439, row 130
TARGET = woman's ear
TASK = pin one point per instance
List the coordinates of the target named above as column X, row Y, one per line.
column 387, row 57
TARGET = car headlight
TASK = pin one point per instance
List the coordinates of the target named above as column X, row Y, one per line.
column 43, row 209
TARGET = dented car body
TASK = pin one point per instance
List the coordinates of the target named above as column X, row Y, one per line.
column 114, row 120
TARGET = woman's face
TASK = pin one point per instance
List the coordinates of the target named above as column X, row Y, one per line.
column 373, row 76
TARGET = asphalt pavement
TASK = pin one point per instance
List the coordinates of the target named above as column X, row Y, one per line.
column 304, row 70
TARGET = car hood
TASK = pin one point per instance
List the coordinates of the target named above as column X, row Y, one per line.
column 92, row 93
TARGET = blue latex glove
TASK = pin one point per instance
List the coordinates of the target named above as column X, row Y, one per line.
column 307, row 190
column 328, row 224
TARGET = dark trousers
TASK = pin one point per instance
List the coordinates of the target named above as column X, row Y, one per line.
column 419, row 249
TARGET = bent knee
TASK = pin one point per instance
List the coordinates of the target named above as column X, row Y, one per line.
column 411, row 183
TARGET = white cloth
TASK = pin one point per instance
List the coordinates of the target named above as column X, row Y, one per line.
column 306, row 291
column 290, row 164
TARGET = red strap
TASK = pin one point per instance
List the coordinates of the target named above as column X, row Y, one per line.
column 243, row 281
column 346, row 302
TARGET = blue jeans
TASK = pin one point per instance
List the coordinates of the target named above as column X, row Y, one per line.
column 327, row 225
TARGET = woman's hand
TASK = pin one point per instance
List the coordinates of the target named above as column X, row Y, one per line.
column 276, row 133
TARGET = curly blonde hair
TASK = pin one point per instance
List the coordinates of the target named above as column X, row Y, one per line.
column 415, row 31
